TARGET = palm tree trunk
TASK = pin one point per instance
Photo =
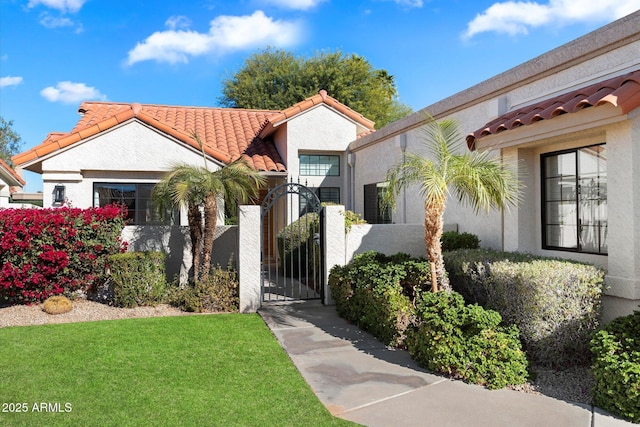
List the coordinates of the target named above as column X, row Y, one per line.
column 195, row 232
column 210, row 222
column 433, row 226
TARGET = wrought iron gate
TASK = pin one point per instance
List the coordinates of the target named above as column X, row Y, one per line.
column 292, row 255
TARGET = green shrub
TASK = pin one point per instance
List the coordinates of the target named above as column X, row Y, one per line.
column 138, row 278
column 616, row 367
column 218, row 292
column 465, row 342
column 452, row 240
column 376, row 292
column 295, row 245
column 555, row 303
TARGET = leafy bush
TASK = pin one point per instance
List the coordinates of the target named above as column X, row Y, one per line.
column 465, row 342
column 45, row 252
column 616, row 367
column 555, row 303
column 452, row 240
column 376, row 292
column 138, row 278
column 295, row 242
column 218, row 292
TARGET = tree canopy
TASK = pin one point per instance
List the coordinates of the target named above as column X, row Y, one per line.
column 275, row 79
column 10, row 141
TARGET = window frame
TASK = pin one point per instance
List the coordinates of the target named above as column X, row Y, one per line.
column 317, row 191
column 172, row 218
column 317, row 164
column 381, row 214
column 544, row 202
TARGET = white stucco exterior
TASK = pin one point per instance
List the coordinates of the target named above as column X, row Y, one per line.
column 132, row 152
column 611, row 51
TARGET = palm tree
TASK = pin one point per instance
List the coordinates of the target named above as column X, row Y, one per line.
column 475, row 178
column 198, row 188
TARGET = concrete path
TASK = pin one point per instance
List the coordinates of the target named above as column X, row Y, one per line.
column 359, row 379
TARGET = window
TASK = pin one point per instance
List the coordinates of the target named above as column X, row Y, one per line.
column 574, row 211
column 319, row 165
column 325, row 194
column 374, row 210
column 137, row 199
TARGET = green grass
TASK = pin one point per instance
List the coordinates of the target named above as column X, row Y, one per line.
column 217, row 370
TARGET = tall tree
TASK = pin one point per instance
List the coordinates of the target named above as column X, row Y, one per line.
column 474, row 178
column 10, row 141
column 199, row 189
column 274, row 79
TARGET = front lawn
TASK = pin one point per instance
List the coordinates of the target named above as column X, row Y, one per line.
column 212, row 370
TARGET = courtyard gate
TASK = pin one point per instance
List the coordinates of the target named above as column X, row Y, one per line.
column 291, row 253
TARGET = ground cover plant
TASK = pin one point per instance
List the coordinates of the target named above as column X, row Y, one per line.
column 45, row 252
column 466, row 342
column 616, row 367
column 189, row 370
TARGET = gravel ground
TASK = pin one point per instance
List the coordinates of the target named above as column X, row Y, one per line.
column 572, row 385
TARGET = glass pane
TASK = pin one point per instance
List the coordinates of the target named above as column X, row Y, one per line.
column 589, row 238
column 562, row 236
column 319, row 165
column 561, row 188
column 329, row 194
column 562, row 164
column 561, row 213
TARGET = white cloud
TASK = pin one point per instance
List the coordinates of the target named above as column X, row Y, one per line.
column 63, row 6
column 71, row 93
column 295, row 4
column 10, row 81
column 49, row 21
column 517, row 17
column 226, row 33
column 410, row 3
column 177, row 22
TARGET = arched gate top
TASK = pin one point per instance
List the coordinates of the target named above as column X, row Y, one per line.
column 313, row 202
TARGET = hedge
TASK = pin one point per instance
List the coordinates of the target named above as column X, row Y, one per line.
column 555, row 303
column 46, row 252
column 616, row 367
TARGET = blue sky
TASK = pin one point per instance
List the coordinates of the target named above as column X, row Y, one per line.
column 54, row 54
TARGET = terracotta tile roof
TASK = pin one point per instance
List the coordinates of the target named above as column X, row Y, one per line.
column 226, row 133
column 320, row 98
column 622, row 91
column 8, row 170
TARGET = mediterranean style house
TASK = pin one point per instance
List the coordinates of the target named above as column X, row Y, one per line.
column 118, row 151
column 568, row 121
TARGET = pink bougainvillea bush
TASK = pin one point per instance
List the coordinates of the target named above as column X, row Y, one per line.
column 46, row 252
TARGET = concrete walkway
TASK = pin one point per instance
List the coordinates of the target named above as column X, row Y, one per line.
column 359, row 379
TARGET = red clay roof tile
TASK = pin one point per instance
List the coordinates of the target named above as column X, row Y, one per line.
column 5, row 166
column 226, row 134
column 622, row 91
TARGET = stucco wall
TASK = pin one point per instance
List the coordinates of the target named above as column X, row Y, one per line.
column 132, row 152
column 388, row 239
column 175, row 242
column 371, row 165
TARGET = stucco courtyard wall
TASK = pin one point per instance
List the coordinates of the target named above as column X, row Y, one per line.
column 175, row 242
